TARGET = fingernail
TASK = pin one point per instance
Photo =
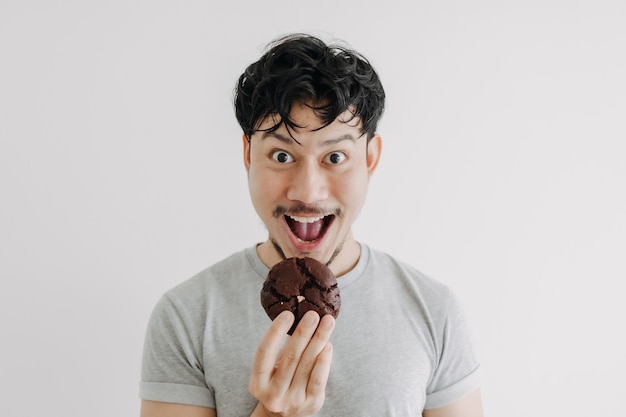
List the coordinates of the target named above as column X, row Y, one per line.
column 309, row 319
column 286, row 316
column 328, row 322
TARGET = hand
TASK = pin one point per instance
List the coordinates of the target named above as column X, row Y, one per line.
column 292, row 382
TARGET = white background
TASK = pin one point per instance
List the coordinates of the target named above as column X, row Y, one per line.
column 503, row 176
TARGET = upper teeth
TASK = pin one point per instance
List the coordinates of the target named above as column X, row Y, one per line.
column 306, row 219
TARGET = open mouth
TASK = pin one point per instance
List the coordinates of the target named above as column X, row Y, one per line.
column 309, row 229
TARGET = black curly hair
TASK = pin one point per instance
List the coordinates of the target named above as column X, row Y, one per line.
column 303, row 69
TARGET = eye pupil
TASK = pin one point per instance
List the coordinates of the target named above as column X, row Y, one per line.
column 282, row 157
column 335, row 158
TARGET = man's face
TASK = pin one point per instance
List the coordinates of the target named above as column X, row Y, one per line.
column 308, row 194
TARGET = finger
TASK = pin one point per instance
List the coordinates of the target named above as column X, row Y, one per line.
column 316, row 387
column 318, row 343
column 292, row 351
column 265, row 357
column 286, row 345
column 321, row 336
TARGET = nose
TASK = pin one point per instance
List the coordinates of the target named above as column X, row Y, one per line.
column 308, row 183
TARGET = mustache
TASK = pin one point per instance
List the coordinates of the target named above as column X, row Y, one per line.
column 303, row 209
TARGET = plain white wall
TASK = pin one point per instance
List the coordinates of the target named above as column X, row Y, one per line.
column 503, row 175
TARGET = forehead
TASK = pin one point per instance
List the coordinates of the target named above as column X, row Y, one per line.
column 309, row 127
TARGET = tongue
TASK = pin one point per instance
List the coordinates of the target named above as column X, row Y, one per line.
column 307, row 231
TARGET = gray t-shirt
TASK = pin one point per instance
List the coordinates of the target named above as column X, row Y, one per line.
column 400, row 342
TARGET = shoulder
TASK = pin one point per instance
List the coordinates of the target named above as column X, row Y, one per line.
column 236, row 266
column 408, row 274
column 191, row 296
column 411, row 288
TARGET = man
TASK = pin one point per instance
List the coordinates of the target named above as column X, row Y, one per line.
column 399, row 346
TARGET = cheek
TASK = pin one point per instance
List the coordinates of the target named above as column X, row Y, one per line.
column 263, row 188
column 255, row 187
column 351, row 189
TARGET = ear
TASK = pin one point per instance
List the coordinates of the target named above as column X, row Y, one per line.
column 374, row 148
column 246, row 152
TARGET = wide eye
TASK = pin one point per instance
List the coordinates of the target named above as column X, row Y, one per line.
column 282, row 157
column 335, row 158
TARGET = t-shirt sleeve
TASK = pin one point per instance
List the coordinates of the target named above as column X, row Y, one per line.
column 456, row 373
column 172, row 366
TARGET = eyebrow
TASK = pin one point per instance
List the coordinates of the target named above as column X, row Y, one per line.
column 278, row 136
column 290, row 140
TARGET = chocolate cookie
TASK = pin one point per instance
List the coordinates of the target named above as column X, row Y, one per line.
column 300, row 285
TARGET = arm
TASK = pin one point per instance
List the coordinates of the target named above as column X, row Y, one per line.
column 469, row 405
column 161, row 409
